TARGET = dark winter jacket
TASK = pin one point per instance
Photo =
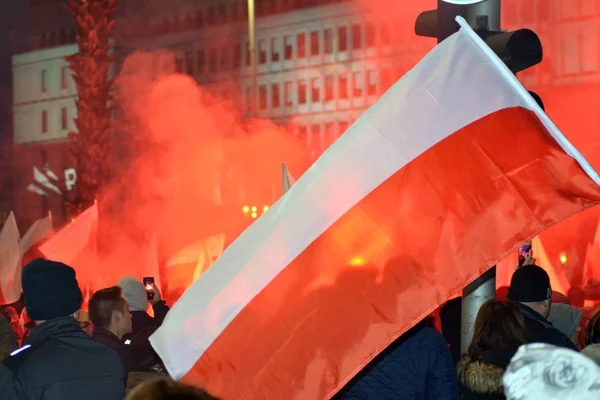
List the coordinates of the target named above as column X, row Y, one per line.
column 108, row 339
column 417, row 366
column 540, row 330
column 140, row 320
column 8, row 339
column 60, row 362
column 482, row 379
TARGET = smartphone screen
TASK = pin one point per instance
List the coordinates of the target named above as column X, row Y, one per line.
column 524, row 252
column 149, row 285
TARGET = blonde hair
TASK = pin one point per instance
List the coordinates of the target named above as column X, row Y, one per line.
column 166, row 389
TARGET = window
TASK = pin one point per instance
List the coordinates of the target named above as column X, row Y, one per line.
column 328, row 39
column 314, row 43
column 275, row 95
column 343, row 126
column 386, row 37
column 315, row 129
column 302, row 130
column 200, row 61
column 247, row 54
column 328, row 88
column 44, row 77
column 249, row 99
column 262, row 52
column 262, row 97
column 342, row 38
column 386, row 78
column 225, row 57
column 342, row 87
column 64, row 75
column 237, row 55
column 212, row 59
column 64, row 124
column 288, row 93
column 301, row 43
column 356, row 39
column 189, row 63
column 357, row 84
column 371, row 83
column 44, row 121
column 315, row 90
column 289, row 47
column 330, row 131
column 301, row 92
column 371, row 36
column 275, row 49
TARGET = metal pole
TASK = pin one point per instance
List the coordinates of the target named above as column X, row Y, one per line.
column 489, row 8
column 474, row 295
column 252, row 51
column 484, row 287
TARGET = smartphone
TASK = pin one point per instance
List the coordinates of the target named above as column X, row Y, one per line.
column 148, row 282
column 524, row 252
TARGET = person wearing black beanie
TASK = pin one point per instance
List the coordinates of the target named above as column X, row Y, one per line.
column 530, row 287
column 58, row 360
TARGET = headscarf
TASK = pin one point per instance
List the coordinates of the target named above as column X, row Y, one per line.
column 545, row 372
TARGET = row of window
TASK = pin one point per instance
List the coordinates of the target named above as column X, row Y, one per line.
column 54, row 38
column 222, row 13
column 64, row 120
column 64, row 76
column 323, row 89
column 315, row 43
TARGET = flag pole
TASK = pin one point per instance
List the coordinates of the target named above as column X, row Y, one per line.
column 285, row 178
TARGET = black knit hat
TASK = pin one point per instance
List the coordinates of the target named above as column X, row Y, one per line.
column 530, row 284
column 50, row 289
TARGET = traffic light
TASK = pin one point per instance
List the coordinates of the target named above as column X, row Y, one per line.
column 519, row 50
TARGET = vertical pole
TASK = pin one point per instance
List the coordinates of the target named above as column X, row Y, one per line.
column 252, row 51
column 484, row 287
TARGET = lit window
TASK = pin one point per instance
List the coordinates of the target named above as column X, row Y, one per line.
column 275, row 49
column 328, row 36
column 342, row 38
column 315, row 90
column 262, row 51
column 342, row 87
column 328, row 88
column 262, row 97
column 44, row 77
column 64, row 123
column 314, row 43
column 301, row 43
column 289, row 47
column 371, row 83
column 64, row 76
column 275, row 95
column 357, row 84
column 288, row 93
column 370, row 33
column 301, row 92
column 44, row 121
column 356, row 37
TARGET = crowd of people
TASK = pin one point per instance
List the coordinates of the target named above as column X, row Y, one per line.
column 526, row 346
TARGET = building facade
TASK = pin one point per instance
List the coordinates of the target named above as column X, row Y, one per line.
column 320, row 63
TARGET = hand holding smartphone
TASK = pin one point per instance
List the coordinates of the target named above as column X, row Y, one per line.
column 149, row 286
column 525, row 254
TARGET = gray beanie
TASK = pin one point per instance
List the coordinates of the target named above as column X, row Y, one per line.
column 135, row 293
column 565, row 318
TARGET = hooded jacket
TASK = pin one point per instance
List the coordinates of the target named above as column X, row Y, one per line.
column 61, row 362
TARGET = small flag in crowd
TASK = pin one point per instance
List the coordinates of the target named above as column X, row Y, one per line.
column 75, row 238
column 449, row 172
column 10, row 261
column 40, row 230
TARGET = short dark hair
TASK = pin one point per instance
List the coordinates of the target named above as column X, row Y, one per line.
column 499, row 325
column 102, row 305
column 166, row 389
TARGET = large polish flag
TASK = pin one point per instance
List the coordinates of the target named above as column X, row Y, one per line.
column 451, row 170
